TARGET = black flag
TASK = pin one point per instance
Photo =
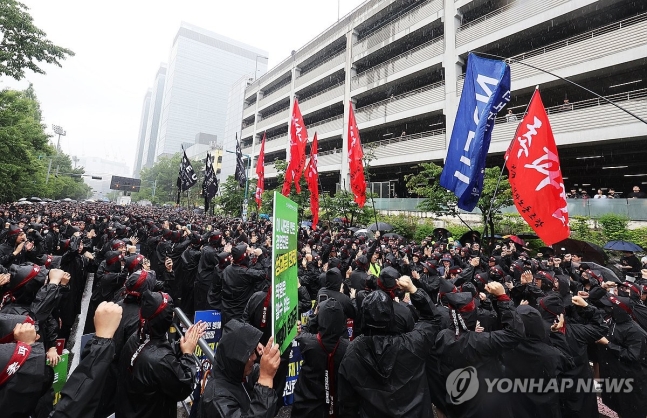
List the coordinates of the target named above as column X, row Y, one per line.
column 210, row 183
column 186, row 178
column 241, row 173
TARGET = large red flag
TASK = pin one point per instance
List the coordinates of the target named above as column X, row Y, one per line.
column 260, row 173
column 298, row 141
column 312, row 176
column 355, row 156
column 536, row 177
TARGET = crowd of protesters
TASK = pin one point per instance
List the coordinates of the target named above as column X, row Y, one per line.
column 419, row 312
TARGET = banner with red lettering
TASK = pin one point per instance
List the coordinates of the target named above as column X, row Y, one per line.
column 260, row 173
column 298, row 141
column 536, row 177
column 312, row 176
column 355, row 162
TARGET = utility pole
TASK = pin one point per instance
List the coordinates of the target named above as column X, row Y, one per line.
column 49, row 168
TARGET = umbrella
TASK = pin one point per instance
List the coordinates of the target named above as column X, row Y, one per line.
column 364, row 232
column 24, row 202
column 546, row 251
column 623, row 246
column 22, row 199
column 393, row 235
column 470, row 236
column 353, row 229
column 441, row 233
column 35, row 199
column 305, row 224
column 380, row 226
column 496, row 236
column 515, row 239
column 67, row 199
column 589, row 252
column 607, row 274
column 528, row 235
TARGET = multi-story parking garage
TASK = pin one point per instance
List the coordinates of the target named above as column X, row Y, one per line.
column 402, row 63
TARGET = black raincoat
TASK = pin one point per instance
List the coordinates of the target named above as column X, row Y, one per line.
column 228, row 394
column 314, row 392
column 238, row 285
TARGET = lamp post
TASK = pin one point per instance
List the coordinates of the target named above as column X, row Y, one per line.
column 61, row 132
column 256, row 68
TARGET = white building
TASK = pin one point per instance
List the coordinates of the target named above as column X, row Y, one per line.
column 104, row 168
column 402, row 62
column 201, row 69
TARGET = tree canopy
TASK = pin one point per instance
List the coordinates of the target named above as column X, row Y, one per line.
column 24, row 46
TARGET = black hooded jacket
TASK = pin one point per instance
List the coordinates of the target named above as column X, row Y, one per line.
column 228, row 394
column 153, row 381
column 322, row 354
column 381, row 375
column 330, row 290
column 534, row 358
column 239, row 284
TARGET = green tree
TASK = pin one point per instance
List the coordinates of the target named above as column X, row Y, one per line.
column 232, row 196
column 162, row 178
column 25, row 46
column 439, row 200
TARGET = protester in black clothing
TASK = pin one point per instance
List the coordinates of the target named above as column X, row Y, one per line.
column 239, row 283
column 315, row 393
column 239, row 387
column 154, row 375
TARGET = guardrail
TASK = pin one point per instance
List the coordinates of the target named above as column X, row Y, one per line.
column 319, row 70
column 322, row 97
column 506, row 16
column 400, row 62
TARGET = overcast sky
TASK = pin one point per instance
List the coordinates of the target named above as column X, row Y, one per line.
column 97, row 95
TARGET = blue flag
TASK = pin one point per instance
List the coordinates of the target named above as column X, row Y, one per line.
column 486, row 91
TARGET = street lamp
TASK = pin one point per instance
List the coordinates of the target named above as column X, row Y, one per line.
column 256, row 68
column 61, row 132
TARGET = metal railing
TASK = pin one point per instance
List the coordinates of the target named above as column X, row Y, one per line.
column 504, row 17
column 321, row 69
column 409, row 100
column 274, row 95
column 272, row 119
column 326, row 125
column 336, row 91
column 402, row 24
column 408, row 59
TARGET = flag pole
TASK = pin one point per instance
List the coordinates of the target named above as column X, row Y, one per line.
column 565, row 79
column 368, row 177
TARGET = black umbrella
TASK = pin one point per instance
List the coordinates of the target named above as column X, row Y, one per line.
column 546, row 251
column 589, row 251
column 393, row 235
column 441, row 233
column 621, row 245
column 607, row 273
column 35, row 199
column 380, row 226
column 470, row 237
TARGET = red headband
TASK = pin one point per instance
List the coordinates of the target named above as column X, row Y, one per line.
column 140, row 281
column 9, row 337
column 33, row 273
column 621, row 305
column 136, row 261
column 468, row 308
column 162, row 306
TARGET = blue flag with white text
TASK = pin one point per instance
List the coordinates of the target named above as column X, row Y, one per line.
column 485, row 92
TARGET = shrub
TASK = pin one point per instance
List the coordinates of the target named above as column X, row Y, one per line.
column 614, row 227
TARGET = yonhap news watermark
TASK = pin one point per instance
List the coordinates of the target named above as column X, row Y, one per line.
column 463, row 385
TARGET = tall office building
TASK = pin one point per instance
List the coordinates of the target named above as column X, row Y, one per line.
column 152, row 129
column 202, row 67
column 232, row 125
column 142, row 133
column 402, row 63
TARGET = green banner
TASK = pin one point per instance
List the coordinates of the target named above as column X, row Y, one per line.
column 60, row 376
column 285, row 281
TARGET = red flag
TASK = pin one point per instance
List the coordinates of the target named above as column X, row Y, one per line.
column 536, row 177
column 355, row 156
column 312, row 176
column 260, row 173
column 298, row 141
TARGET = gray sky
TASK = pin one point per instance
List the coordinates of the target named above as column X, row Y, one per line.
column 97, row 95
